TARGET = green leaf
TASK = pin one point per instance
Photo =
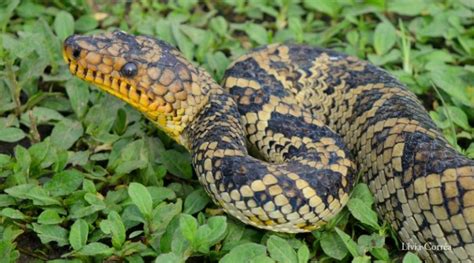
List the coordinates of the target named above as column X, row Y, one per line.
column 49, row 233
column 164, row 213
column 280, row 250
column 66, row 133
column 141, row 198
column 6, row 200
column 457, row 115
column 120, row 124
column 392, row 56
column 440, row 120
column 44, row 115
column 4, row 159
column 244, row 253
column 60, row 160
column 217, row 63
column 235, row 233
column 49, row 217
column 196, row 201
column 94, row 199
column 65, row 261
column 294, row 24
column 348, row 242
column 159, row 194
column 64, row 183
column 407, row 7
column 63, row 25
column 170, row 230
column 256, row 33
column 8, row 252
column 188, row 226
column 218, row 226
column 41, row 154
column 114, row 225
column 411, row 258
column 361, row 191
column 187, row 4
column 79, row 158
column 196, row 35
column 79, row 233
column 178, row 163
column 329, row 7
column 128, row 166
column 7, row 11
column 470, row 150
column 10, row 233
column 86, row 23
column 23, row 158
column 219, row 25
column 12, row 213
column 78, row 93
column 83, row 211
column 164, row 31
column 332, row 245
column 380, row 253
column 88, row 186
column 179, row 244
column 363, row 212
column 372, row 241
column 95, row 249
column 30, row 10
column 384, row 37
column 21, row 167
column 33, row 192
column 261, row 259
column 210, row 233
column 303, row 254
column 19, row 47
column 185, row 45
column 201, row 243
column 451, row 84
column 168, row 258
column 11, row 134
column 361, row 259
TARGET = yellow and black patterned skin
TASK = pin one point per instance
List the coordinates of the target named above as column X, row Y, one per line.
column 315, row 116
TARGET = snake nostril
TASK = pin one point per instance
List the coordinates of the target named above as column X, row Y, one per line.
column 76, row 52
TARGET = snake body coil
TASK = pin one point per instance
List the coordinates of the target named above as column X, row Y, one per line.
column 307, row 111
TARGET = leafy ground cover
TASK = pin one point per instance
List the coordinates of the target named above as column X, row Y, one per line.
column 84, row 177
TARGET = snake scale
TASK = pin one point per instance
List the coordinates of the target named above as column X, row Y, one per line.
column 316, row 117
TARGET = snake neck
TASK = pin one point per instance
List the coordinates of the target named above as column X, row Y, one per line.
column 215, row 107
column 217, row 120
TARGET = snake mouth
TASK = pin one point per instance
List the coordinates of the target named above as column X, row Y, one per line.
column 113, row 85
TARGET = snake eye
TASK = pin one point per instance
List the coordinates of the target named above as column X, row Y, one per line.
column 129, row 70
column 76, row 52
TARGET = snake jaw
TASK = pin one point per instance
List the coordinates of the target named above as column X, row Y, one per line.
column 158, row 115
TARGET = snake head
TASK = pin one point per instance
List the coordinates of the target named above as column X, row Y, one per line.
column 147, row 73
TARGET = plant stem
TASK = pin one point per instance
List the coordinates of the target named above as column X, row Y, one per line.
column 14, row 87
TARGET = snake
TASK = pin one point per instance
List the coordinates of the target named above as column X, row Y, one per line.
column 280, row 143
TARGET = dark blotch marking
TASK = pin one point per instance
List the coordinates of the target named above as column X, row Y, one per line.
column 250, row 70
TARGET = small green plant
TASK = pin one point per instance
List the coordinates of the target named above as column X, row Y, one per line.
column 85, row 178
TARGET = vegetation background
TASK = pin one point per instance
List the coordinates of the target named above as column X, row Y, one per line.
column 84, row 177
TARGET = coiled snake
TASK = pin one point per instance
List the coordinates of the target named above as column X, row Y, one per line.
column 307, row 111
